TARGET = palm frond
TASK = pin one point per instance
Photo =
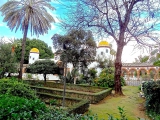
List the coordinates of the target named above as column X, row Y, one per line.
column 16, row 14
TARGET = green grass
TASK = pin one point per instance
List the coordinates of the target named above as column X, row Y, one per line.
column 131, row 102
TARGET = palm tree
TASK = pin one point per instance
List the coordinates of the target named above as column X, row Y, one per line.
column 27, row 14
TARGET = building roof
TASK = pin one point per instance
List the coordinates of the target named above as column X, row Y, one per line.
column 137, row 64
column 34, row 50
column 103, row 43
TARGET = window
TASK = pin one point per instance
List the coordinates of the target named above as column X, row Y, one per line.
column 106, row 50
column 33, row 58
column 101, row 53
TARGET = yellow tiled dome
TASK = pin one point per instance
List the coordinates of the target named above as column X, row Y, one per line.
column 34, row 50
column 103, row 43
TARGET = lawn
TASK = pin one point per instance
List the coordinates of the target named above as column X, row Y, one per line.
column 132, row 103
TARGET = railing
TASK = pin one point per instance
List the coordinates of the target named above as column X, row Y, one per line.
column 133, row 82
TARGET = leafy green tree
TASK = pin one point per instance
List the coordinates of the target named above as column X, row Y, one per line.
column 142, row 59
column 27, row 14
column 104, row 63
column 44, row 49
column 112, row 52
column 123, row 20
column 78, row 47
column 43, row 67
column 157, row 63
column 7, row 60
column 152, row 57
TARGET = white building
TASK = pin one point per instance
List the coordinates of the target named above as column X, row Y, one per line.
column 33, row 55
column 102, row 52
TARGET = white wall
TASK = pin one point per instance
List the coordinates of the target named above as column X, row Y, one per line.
column 33, row 57
column 103, row 52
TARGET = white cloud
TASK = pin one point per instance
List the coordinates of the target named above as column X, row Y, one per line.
column 56, row 1
column 1, row 24
column 53, row 26
column 129, row 51
column 7, row 39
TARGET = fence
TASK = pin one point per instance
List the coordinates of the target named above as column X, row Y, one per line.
column 133, row 82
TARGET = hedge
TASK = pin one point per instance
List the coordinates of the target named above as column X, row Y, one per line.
column 92, row 97
column 72, row 105
column 85, row 88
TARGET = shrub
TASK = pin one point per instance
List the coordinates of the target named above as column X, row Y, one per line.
column 60, row 114
column 151, row 91
column 17, row 108
column 14, row 87
column 106, row 78
column 122, row 115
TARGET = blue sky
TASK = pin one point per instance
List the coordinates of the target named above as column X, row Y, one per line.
column 58, row 14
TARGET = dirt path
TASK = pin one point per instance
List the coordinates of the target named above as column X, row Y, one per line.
column 132, row 103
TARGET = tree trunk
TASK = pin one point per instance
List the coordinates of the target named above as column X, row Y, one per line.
column 118, row 65
column 75, row 79
column 44, row 75
column 23, row 51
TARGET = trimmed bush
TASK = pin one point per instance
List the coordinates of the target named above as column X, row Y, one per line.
column 92, row 97
column 14, row 87
column 72, row 105
column 82, row 88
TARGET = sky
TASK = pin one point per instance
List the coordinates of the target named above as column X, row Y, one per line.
column 128, row 55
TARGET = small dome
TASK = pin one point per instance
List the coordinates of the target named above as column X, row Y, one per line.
column 34, row 50
column 103, row 43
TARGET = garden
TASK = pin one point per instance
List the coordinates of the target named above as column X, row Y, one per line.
column 20, row 101
column 82, row 93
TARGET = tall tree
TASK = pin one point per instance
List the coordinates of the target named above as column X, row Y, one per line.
column 44, row 49
column 123, row 20
column 79, row 45
column 27, row 14
column 7, row 60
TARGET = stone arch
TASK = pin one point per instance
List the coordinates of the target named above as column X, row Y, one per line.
column 124, row 71
column 152, row 73
column 133, row 72
column 142, row 71
column 143, row 74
